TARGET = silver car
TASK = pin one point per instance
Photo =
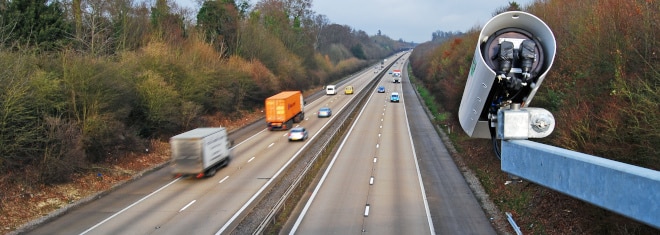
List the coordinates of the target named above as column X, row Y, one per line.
column 325, row 112
column 298, row 133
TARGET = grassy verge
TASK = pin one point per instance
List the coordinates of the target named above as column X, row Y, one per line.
column 440, row 117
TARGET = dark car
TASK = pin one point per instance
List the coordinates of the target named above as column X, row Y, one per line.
column 298, row 133
column 381, row 89
column 325, row 112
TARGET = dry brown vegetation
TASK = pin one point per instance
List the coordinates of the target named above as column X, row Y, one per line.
column 602, row 90
column 88, row 85
column 32, row 200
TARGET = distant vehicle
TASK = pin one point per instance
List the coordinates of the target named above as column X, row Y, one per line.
column 396, row 76
column 394, row 97
column 283, row 109
column 390, row 72
column 348, row 90
column 298, row 133
column 381, row 89
column 200, row 152
column 325, row 112
column 330, row 90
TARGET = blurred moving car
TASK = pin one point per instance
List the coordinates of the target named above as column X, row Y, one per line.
column 381, row 89
column 394, row 97
column 348, row 90
column 325, row 112
column 298, row 133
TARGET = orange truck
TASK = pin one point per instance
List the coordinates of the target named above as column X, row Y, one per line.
column 284, row 109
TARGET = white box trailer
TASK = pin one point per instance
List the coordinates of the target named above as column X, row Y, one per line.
column 200, row 152
column 396, row 76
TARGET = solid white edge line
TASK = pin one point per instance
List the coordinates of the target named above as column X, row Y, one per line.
column 327, row 171
column 254, row 197
column 419, row 175
column 177, row 179
column 135, row 203
column 158, row 190
column 246, row 140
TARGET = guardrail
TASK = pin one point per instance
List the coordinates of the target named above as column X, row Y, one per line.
column 325, row 146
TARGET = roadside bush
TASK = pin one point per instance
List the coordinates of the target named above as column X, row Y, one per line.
column 161, row 104
column 21, row 135
column 63, row 152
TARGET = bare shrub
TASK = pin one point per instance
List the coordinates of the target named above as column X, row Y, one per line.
column 63, row 153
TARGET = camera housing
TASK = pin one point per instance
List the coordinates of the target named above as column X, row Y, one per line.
column 514, row 53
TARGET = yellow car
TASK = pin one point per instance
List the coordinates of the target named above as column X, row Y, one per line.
column 348, row 90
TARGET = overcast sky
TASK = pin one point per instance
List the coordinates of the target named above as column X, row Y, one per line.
column 410, row 20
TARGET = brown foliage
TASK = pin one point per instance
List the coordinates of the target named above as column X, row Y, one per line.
column 444, row 69
column 602, row 90
column 606, row 66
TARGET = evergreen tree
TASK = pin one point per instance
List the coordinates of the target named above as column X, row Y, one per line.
column 38, row 23
column 219, row 22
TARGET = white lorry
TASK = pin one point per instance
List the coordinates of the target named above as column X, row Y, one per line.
column 200, row 152
column 330, row 90
column 396, row 76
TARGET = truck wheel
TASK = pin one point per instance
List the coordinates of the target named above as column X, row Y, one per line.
column 210, row 172
column 299, row 118
column 226, row 162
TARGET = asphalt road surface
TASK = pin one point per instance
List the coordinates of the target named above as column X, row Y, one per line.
column 392, row 148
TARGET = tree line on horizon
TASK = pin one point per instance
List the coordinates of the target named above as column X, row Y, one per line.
column 85, row 81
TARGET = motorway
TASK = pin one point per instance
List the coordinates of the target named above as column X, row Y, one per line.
column 374, row 185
